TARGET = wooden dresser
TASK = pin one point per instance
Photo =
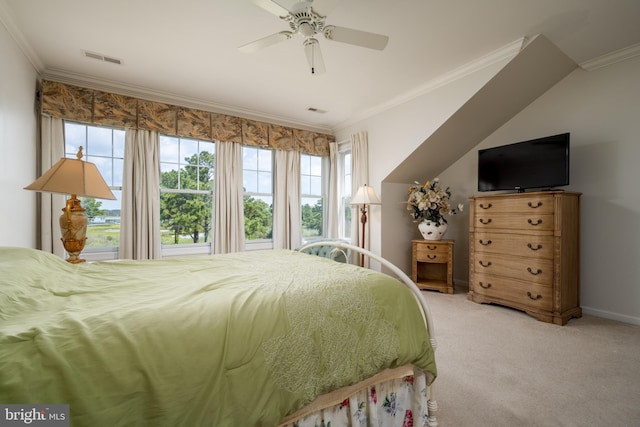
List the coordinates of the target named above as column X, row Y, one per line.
column 524, row 253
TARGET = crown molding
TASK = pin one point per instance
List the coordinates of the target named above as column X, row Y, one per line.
column 506, row 52
column 6, row 18
column 611, row 58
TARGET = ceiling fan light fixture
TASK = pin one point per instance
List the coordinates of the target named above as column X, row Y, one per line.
column 306, row 29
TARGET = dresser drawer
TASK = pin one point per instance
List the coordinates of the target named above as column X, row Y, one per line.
column 529, row 245
column 519, row 221
column 519, row 292
column 436, row 253
column 523, row 268
column 515, row 203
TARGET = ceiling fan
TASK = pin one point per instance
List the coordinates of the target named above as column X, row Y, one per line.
column 307, row 19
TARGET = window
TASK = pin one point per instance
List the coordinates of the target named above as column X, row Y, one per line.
column 103, row 146
column 186, row 192
column 345, row 195
column 257, row 178
column 311, row 189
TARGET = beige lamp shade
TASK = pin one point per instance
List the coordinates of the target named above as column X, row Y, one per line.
column 365, row 196
column 73, row 176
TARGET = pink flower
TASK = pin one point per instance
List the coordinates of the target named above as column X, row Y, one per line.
column 408, row 419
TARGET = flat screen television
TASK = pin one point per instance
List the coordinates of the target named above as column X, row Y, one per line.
column 539, row 163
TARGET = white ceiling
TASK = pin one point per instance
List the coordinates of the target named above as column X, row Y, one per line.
column 186, row 51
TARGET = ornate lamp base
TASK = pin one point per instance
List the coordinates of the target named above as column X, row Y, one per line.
column 73, row 225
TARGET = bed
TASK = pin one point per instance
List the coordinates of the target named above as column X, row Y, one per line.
column 262, row 338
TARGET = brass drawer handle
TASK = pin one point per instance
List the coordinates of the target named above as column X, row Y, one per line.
column 537, row 297
column 485, row 221
column 485, row 207
column 432, row 248
column 432, row 256
column 483, row 286
column 530, row 221
column 532, row 272
column 538, row 247
column 482, row 242
column 483, row 264
column 538, row 204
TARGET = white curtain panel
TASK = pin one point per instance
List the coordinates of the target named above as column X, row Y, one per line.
column 287, row 200
column 51, row 205
column 229, row 208
column 333, row 205
column 140, row 214
column 360, row 176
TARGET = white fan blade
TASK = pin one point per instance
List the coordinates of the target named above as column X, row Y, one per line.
column 272, row 7
column 265, row 41
column 324, row 7
column 356, row 37
column 314, row 56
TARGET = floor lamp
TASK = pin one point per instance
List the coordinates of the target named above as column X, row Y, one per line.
column 364, row 196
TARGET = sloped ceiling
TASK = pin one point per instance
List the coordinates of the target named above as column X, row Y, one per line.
column 539, row 66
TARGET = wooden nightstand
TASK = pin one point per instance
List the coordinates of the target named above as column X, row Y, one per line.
column 432, row 265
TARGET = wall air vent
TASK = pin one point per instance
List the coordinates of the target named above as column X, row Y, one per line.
column 101, row 57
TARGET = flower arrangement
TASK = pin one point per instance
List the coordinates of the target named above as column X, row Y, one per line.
column 430, row 202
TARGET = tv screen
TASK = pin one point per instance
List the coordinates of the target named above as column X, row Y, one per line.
column 539, row 163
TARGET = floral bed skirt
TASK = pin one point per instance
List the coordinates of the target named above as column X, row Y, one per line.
column 383, row 401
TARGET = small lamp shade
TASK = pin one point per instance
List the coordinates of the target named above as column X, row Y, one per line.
column 365, row 196
column 78, row 178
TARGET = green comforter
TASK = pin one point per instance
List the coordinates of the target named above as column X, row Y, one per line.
column 228, row 340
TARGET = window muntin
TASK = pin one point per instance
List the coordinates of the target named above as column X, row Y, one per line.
column 186, row 191
column 103, row 146
column 257, row 179
column 311, row 189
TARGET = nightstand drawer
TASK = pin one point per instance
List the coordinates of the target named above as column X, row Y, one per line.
column 528, row 269
column 427, row 252
column 535, row 246
column 521, row 293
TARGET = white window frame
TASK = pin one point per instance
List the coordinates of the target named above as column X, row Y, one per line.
column 344, row 186
column 189, row 248
column 324, row 179
column 259, row 243
column 99, row 253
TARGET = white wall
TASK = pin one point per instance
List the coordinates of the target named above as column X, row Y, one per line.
column 17, row 144
column 394, row 135
column 601, row 110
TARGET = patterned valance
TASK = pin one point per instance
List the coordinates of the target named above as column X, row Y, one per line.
column 108, row 109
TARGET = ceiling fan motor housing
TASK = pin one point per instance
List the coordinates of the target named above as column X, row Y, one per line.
column 305, row 20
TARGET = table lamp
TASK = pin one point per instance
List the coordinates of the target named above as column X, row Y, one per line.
column 78, row 178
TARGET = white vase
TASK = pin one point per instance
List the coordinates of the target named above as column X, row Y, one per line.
column 431, row 231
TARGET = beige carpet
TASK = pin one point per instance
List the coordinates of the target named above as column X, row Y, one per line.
column 500, row 367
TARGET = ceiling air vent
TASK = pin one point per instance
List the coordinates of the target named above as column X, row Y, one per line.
column 100, row 57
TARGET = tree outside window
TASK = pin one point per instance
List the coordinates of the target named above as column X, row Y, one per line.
column 186, row 190
column 257, row 179
column 312, row 196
